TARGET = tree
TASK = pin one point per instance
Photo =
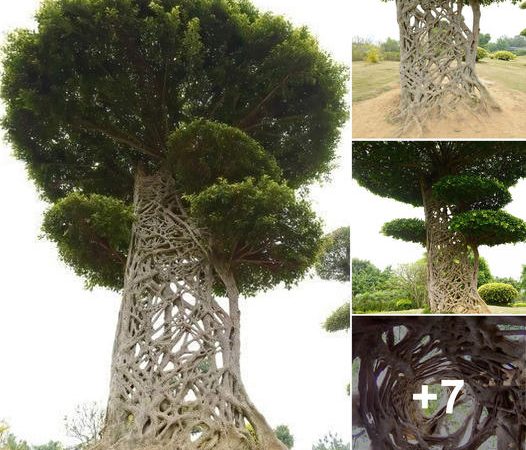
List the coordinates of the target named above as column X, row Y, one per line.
column 437, row 58
column 284, row 435
column 390, row 45
column 334, row 264
column 484, row 39
column 462, row 187
column 85, row 424
column 51, row 445
column 331, row 442
column 334, row 261
column 411, row 278
column 366, row 277
column 522, row 281
column 204, row 118
column 484, row 275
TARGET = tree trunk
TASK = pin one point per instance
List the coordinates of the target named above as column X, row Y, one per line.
column 175, row 381
column 437, row 60
column 451, row 276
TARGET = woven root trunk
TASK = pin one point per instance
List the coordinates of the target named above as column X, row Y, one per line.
column 397, row 355
column 175, row 380
column 437, row 62
column 452, row 276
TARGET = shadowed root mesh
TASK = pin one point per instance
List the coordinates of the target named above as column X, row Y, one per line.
column 398, row 355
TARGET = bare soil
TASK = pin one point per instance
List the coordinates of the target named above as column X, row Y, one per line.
column 371, row 118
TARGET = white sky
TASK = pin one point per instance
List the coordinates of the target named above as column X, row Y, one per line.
column 502, row 19
column 369, row 243
column 56, row 337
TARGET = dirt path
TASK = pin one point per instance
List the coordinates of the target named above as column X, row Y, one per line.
column 370, row 118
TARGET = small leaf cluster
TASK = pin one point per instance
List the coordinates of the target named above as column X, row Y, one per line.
column 409, row 230
column 260, row 229
column 92, row 233
column 488, row 227
column 498, row 294
column 340, row 319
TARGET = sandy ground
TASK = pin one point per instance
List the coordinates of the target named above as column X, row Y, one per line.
column 370, row 118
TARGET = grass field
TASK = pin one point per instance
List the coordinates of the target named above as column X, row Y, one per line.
column 370, row 80
column 494, row 310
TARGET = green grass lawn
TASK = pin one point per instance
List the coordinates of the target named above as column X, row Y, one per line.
column 494, row 310
column 370, row 80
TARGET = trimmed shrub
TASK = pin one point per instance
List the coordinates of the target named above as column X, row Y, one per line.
column 504, row 55
column 498, row 294
column 482, row 53
column 387, row 300
column 519, row 305
column 373, row 55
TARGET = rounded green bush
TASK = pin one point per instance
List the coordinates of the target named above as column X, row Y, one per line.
column 504, row 55
column 498, row 294
column 404, row 304
column 482, row 53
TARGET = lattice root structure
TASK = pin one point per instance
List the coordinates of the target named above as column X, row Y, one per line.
column 175, row 380
column 397, row 355
column 437, row 62
column 452, row 275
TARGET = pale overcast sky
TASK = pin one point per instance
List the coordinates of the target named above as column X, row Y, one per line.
column 369, row 243
column 56, row 337
column 376, row 20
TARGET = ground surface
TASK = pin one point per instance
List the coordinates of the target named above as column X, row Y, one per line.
column 494, row 310
column 376, row 94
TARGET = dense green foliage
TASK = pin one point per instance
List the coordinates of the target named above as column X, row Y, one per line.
column 503, row 55
column 92, row 234
column 522, row 281
column 484, row 274
column 488, row 227
column 260, row 228
column 385, row 300
column 334, row 263
column 471, row 179
column 366, row 277
column 481, row 53
column 204, row 151
column 340, row 319
column 398, row 169
column 284, row 435
column 239, row 104
column 498, row 294
column 410, row 230
column 335, row 256
column 467, row 192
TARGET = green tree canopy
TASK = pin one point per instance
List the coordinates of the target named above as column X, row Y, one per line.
column 334, row 260
column 239, row 105
column 471, row 178
column 284, row 435
column 366, row 277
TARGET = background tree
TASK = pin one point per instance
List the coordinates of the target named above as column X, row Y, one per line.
column 284, row 435
column 172, row 137
column 85, row 424
column 366, row 277
column 331, row 442
column 461, row 186
column 452, row 57
column 522, row 281
column 412, row 278
column 484, row 39
column 334, row 264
